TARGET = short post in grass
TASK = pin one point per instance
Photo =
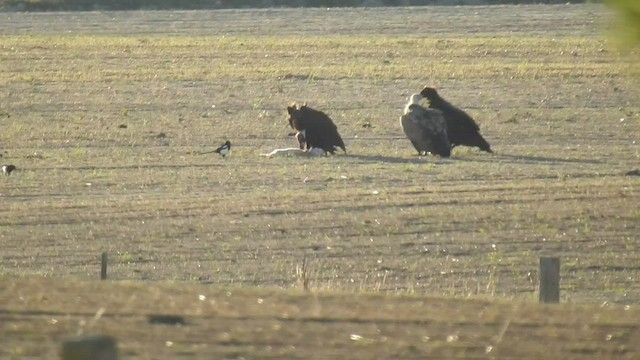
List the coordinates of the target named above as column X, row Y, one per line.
column 103, row 269
column 549, row 279
column 90, row 347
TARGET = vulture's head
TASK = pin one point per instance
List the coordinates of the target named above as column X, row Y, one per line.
column 294, row 112
column 413, row 100
column 429, row 92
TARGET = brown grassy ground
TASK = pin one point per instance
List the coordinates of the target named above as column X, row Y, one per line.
column 38, row 313
column 111, row 119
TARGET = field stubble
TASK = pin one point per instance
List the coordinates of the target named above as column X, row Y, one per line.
column 111, row 119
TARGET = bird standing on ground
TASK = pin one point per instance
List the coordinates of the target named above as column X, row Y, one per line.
column 315, row 128
column 224, row 149
column 425, row 128
column 461, row 128
column 7, row 169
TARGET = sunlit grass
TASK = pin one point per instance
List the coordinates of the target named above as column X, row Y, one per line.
column 89, row 58
column 113, row 138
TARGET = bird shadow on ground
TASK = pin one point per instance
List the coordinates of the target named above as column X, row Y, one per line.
column 201, row 152
column 481, row 157
column 397, row 160
column 130, row 167
column 526, row 159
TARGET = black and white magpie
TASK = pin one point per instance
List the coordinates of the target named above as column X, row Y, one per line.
column 224, row 149
column 7, row 169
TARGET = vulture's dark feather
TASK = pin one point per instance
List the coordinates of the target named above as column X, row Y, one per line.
column 425, row 128
column 317, row 129
column 461, row 128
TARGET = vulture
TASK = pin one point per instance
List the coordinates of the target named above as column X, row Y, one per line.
column 425, row 128
column 315, row 129
column 461, row 128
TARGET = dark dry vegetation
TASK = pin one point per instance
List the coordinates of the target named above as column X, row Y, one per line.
column 111, row 119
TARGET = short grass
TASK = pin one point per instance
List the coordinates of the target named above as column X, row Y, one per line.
column 111, row 119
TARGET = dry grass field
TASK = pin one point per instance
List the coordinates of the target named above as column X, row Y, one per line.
column 252, row 323
column 111, row 119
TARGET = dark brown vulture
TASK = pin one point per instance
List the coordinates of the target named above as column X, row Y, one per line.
column 315, row 129
column 425, row 128
column 461, row 128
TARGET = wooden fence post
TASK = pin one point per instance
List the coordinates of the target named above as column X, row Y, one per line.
column 103, row 270
column 549, row 279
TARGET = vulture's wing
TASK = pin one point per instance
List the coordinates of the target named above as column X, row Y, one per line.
column 460, row 119
column 321, row 130
column 462, row 129
column 338, row 141
column 455, row 116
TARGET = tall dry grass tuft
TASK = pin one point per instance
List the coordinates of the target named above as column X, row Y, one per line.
column 302, row 274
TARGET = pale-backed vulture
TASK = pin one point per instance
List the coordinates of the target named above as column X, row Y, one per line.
column 425, row 128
